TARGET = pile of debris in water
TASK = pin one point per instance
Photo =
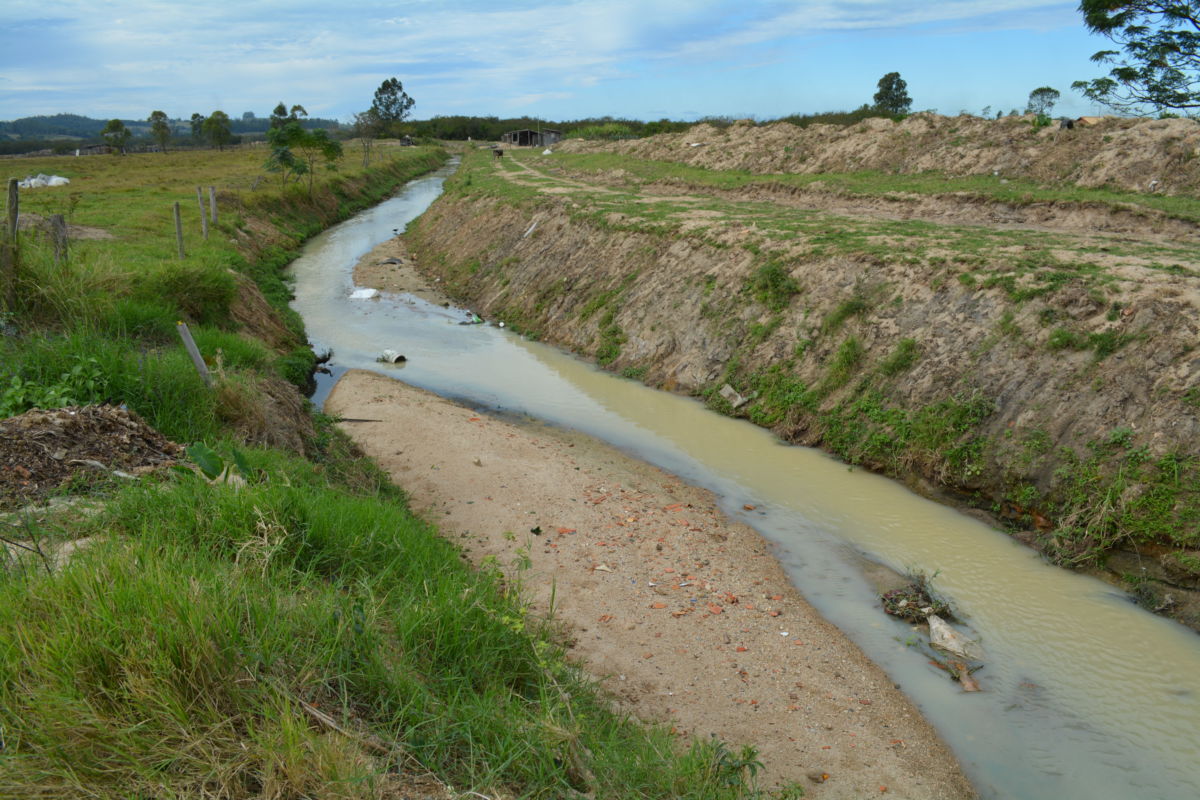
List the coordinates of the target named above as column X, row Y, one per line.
column 917, row 603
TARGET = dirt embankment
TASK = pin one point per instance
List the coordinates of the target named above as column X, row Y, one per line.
column 1045, row 376
column 1133, row 154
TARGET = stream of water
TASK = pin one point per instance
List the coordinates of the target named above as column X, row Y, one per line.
column 1086, row 695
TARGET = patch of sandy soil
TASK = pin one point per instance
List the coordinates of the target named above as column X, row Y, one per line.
column 683, row 614
column 390, row 268
column 29, row 221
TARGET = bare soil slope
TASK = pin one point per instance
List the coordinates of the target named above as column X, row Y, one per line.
column 1040, row 367
column 1135, row 154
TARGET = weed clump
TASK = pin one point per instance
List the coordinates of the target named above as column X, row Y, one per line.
column 915, row 601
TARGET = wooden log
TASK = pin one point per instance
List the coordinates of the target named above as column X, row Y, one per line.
column 203, row 218
column 212, row 204
column 179, row 231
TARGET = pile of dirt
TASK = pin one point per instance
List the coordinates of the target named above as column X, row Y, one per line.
column 1132, row 154
column 42, row 450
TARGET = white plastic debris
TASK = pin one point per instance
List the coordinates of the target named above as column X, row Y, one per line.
column 41, row 181
column 547, row 152
column 943, row 637
column 364, row 294
column 392, row 357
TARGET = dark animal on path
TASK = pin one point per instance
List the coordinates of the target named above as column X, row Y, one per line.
column 497, row 153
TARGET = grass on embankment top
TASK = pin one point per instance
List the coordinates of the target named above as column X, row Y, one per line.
column 870, row 183
column 174, row 658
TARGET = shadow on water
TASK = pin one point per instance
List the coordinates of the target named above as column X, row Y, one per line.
column 1086, row 696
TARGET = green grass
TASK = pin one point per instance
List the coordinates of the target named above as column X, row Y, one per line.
column 178, row 655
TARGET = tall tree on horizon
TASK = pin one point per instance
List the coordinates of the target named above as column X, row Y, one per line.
column 216, row 129
column 391, row 104
column 160, row 128
column 116, row 134
column 892, row 97
column 1042, row 100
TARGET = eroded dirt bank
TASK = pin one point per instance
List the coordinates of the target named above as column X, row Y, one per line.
column 685, row 615
column 1136, row 154
column 1044, row 374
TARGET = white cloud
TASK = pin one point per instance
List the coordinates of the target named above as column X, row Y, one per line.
column 332, row 57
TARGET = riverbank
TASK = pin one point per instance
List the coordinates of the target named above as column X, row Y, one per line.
column 980, row 339
column 684, row 615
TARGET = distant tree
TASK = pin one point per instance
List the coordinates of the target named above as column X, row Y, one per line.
column 281, row 115
column 892, row 97
column 160, row 128
column 315, row 145
column 198, row 127
column 391, row 105
column 366, row 128
column 248, row 116
column 116, row 134
column 216, row 129
column 1159, row 68
column 1042, row 100
column 295, row 151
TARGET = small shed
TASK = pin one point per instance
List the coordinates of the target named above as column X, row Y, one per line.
column 531, row 138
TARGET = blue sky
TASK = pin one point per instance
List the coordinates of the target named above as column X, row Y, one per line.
column 555, row 59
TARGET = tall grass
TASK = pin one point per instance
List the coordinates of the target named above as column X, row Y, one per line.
column 183, row 655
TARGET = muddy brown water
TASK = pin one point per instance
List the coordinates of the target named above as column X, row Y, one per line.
column 1086, row 695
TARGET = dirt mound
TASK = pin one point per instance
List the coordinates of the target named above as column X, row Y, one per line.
column 42, row 450
column 1131, row 154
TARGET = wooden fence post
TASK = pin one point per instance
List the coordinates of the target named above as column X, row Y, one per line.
column 8, row 274
column 179, row 231
column 194, row 352
column 58, row 236
column 203, row 218
column 212, row 204
column 14, row 205
column 10, row 251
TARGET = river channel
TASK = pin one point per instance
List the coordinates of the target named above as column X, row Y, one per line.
column 1086, row 695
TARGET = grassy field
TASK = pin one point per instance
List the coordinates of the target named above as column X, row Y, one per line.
column 304, row 636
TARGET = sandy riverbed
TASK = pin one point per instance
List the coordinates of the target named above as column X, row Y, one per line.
column 682, row 613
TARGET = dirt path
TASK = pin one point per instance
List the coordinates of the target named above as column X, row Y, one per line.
column 684, row 615
column 954, row 208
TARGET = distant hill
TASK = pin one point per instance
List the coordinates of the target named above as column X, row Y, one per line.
column 75, row 126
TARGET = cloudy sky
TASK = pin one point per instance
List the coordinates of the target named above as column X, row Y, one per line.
column 557, row 59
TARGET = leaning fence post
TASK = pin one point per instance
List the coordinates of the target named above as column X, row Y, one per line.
column 212, row 204
column 179, row 230
column 203, row 218
column 194, row 352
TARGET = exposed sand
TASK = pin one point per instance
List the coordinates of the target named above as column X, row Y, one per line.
column 390, row 268
column 683, row 614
